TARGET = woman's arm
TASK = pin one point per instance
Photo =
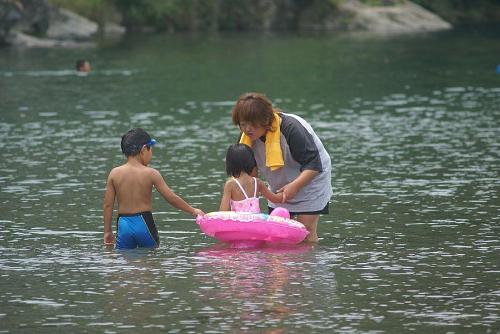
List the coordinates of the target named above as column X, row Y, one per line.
column 291, row 189
column 304, row 150
column 225, row 204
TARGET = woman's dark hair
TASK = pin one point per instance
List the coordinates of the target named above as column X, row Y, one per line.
column 133, row 141
column 254, row 108
column 239, row 158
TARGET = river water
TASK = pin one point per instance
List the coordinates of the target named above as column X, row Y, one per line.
column 411, row 243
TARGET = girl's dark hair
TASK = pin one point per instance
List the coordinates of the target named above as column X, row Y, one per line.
column 133, row 141
column 239, row 158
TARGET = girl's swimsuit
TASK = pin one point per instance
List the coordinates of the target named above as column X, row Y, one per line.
column 136, row 230
column 249, row 204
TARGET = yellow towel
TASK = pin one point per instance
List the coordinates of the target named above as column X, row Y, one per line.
column 274, row 156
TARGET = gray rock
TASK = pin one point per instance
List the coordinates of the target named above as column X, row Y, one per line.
column 9, row 15
column 20, row 39
column 33, row 23
column 113, row 29
column 34, row 16
column 406, row 17
column 66, row 25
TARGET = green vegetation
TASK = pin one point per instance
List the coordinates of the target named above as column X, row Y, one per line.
column 192, row 15
column 464, row 11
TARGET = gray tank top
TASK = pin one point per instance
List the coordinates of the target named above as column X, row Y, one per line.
column 302, row 149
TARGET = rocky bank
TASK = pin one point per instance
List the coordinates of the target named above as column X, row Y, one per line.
column 34, row 23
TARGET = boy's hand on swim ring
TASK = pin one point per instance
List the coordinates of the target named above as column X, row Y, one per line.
column 198, row 212
column 109, row 238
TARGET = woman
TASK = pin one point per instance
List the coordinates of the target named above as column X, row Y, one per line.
column 289, row 155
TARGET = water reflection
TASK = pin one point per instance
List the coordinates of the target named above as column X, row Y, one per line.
column 261, row 289
column 134, row 291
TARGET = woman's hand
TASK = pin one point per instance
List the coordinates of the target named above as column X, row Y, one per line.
column 289, row 191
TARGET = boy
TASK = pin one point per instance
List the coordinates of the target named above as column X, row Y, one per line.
column 132, row 185
column 83, row 65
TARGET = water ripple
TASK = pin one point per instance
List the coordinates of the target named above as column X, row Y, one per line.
column 411, row 241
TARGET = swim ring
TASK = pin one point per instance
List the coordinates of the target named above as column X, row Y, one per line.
column 244, row 230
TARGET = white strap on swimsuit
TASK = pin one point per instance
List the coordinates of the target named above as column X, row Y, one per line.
column 243, row 190
column 249, row 204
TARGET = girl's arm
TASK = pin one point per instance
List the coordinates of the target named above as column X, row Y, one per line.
column 109, row 201
column 171, row 197
column 268, row 194
column 225, row 204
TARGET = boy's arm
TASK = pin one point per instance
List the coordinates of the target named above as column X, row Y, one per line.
column 225, row 204
column 171, row 197
column 109, row 200
column 268, row 194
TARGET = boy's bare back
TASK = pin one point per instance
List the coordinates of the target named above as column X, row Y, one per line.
column 133, row 185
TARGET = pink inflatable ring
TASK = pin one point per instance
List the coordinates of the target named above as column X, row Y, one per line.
column 244, row 230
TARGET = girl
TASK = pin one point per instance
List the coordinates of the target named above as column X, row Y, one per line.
column 290, row 156
column 242, row 168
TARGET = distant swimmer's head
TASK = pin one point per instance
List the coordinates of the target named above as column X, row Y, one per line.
column 135, row 140
column 83, row 65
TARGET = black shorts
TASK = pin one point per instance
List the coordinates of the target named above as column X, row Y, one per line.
column 323, row 211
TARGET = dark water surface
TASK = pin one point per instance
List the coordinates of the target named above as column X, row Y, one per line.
column 412, row 239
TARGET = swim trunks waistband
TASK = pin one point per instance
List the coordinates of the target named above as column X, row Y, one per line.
column 134, row 214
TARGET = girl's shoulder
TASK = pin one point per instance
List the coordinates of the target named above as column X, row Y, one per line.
column 260, row 183
column 229, row 182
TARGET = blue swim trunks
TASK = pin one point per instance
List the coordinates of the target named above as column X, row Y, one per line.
column 136, row 230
